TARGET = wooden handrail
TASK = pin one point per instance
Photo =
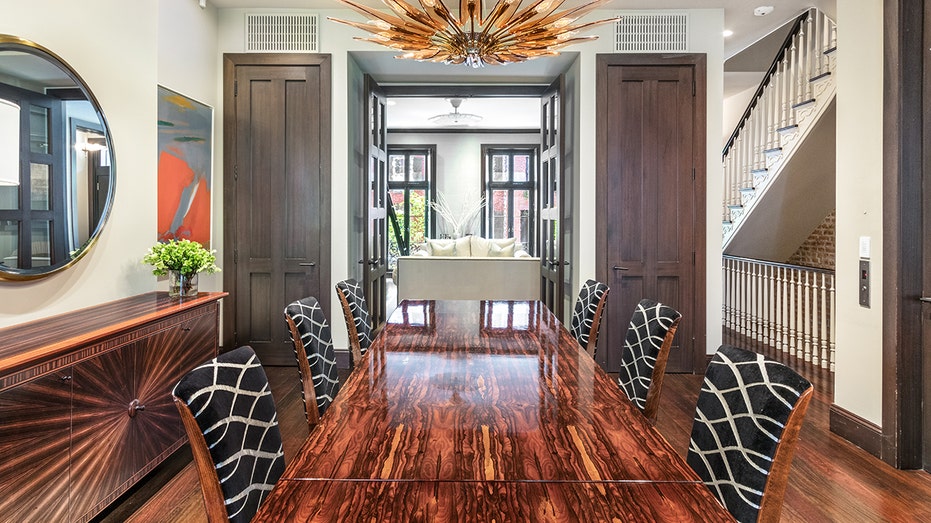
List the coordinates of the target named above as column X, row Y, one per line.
column 786, row 45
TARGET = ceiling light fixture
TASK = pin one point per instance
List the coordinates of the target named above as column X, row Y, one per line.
column 763, row 10
column 505, row 35
column 455, row 117
column 727, row 33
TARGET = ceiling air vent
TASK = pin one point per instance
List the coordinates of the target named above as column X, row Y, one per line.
column 652, row 33
column 281, row 33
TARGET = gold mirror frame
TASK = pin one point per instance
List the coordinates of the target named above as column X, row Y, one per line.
column 16, row 44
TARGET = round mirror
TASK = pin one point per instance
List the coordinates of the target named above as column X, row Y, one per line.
column 56, row 163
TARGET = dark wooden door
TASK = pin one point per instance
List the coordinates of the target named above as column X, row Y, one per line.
column 277, row 194
column 375, row 249
column 649, row 219
column 552, row 205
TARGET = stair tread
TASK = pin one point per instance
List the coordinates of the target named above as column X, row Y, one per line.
column 803, row 103
column 820, row 76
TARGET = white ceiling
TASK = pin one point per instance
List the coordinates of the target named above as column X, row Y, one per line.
column 496, row 113
column 738, row 17
column 738, row 14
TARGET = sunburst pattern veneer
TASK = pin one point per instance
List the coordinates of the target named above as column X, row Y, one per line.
column 85, row 401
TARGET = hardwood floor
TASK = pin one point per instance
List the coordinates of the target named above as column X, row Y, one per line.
column 831, row 480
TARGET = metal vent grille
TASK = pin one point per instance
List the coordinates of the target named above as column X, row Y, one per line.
column 281, row 33
column 652, row 32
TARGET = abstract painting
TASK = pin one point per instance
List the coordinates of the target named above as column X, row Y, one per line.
column 185, row 147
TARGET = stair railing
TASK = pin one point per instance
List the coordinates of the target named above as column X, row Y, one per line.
column 786, row 88
column 787, row 308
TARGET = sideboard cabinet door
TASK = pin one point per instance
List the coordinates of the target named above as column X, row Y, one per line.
column 102, row 446
column 35, row 419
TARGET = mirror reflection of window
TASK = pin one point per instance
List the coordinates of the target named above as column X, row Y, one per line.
column 9, row 143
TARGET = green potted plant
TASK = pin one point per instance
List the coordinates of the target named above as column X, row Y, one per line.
column 182, row 261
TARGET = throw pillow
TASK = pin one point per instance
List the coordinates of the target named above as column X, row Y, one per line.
column 448, row 249
column 440, row 245
column 496, row 251
column 463, row 247
column 480, row 246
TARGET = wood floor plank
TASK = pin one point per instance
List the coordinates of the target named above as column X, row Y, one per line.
column 831, row 479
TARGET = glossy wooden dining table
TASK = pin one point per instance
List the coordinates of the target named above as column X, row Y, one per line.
column 484, row 411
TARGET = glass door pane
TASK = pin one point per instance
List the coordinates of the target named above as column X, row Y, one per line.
column 417, row 223
column 499, row 214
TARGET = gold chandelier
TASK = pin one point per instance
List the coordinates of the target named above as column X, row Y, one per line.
column 504, row 35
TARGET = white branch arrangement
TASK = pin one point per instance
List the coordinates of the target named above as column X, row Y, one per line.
column 458, row 221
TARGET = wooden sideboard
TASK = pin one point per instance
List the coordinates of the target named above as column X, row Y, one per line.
column 85, row 401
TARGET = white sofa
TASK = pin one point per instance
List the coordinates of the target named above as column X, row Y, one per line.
column 469, row 268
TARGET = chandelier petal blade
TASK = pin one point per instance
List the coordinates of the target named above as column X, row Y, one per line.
column 508, row 34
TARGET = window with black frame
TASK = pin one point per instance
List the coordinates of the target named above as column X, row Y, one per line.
column 510, row 185
column 411, row 178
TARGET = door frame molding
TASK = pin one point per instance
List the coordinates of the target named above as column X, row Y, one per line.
column 699, row 158
column 903, row 170
column 230, row 62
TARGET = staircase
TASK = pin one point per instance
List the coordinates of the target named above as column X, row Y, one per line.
column 779, row 162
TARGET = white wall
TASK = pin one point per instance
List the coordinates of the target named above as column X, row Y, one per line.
column 858, row 380
column 734, row 107
column 114, row 51
column 122, row 51
column 459, row 161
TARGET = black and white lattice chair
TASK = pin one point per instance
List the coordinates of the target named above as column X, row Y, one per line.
column 749, row 413
column 356, row 312
column 586, row 318
column 650, row 334
column 316, row 359
column 231, row 421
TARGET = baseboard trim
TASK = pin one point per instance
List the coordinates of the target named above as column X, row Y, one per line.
column 853, row 428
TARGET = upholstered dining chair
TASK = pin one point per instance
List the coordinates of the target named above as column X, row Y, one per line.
column 747, row 421
column 231, row 421
column 356, row 312
column 649, row 338
column 316, row 359
column 586, row 317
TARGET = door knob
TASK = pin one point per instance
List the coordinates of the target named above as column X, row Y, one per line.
column 619, row 268
column 308, row 264
column 926, row 299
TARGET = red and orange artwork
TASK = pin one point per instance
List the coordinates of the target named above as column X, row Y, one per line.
column 184, row 167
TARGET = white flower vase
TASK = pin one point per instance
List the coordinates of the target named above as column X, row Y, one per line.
column 182, row 285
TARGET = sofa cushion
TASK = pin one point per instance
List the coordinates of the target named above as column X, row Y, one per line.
column 459, row 247
column 481, row 246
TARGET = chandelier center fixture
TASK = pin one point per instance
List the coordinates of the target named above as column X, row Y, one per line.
column 506, row 34
column 455, row 117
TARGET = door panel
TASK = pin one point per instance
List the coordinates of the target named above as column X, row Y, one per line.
column 552, row 204
column 375, row 251
column 278, row 207
column 649, row 221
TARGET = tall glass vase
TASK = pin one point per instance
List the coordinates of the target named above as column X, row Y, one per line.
column 181, row 285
